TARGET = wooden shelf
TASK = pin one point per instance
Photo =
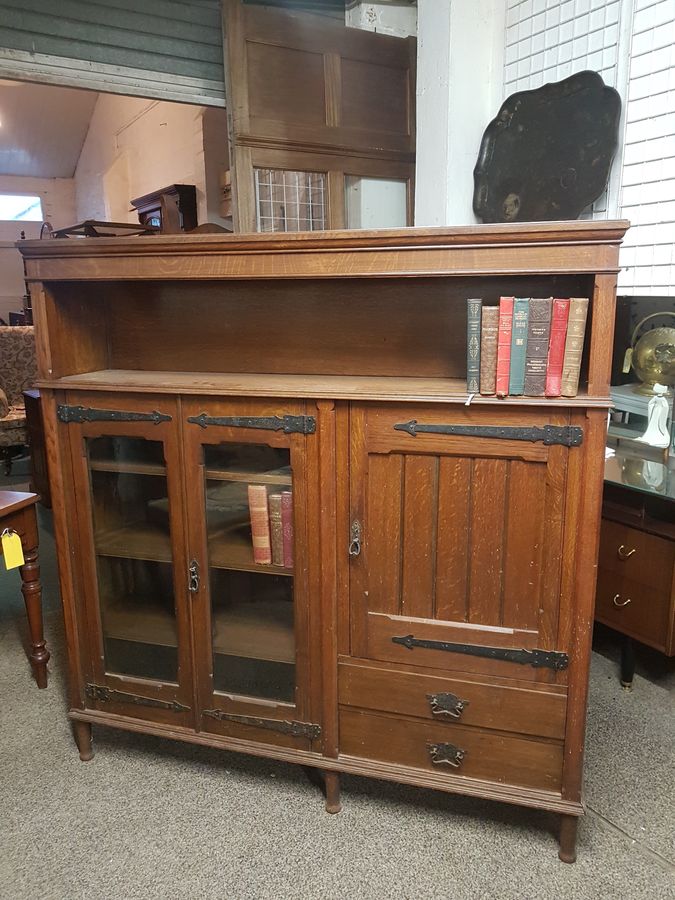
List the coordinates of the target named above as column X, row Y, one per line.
column 126, row 468
column 248, row 477
column 260, row 630
column 228, row 549
column 338, row 387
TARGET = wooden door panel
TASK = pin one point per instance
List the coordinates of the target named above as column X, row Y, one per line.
column 132, row 559
column 458, row 546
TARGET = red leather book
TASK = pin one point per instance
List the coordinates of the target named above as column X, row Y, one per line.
column 276, row 529
column 556, row 347
column 287, row 527
column 504, row 345
column 260, row 524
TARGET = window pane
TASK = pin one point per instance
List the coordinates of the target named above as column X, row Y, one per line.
column 289, row 201
column 20, row 208
column 376, row 202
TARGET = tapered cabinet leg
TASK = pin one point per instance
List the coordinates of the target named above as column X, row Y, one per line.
column 82, row 732
column 333, row 804
column 627, row 663
column 568, row 838
column 32, row 595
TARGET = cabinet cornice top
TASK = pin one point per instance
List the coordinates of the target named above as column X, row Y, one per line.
column 583, row 246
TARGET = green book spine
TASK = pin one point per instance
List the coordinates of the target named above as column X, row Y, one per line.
column 521, row 314
column 473, row 317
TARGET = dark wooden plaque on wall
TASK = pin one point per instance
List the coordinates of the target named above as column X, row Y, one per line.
column 548, row 153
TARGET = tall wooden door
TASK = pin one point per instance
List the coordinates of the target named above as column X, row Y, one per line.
column 321, row 117
column 127, row 481
column 247, row 465
column 458, row 538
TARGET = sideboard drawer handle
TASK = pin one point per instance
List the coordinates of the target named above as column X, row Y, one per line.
column 446, row 754
column 616, row 602
column 622, row 553
column 447, row 704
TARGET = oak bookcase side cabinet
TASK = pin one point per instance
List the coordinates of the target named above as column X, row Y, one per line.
column 427, row 616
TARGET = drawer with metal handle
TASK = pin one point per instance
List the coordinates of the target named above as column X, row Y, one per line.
column 634, row 554
column 633, row 607
column 451, row 750
column 503, row 704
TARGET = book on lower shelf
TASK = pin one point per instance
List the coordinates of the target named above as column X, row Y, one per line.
column 260, row 524
column 276, row 529
column 526, row 346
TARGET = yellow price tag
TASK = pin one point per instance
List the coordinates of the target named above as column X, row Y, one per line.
column 12, row 549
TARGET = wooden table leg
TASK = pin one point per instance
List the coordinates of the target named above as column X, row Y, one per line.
column 568, row 838
column 32, row 595
column 82, row 734
column 333, row 804
column 627, row 663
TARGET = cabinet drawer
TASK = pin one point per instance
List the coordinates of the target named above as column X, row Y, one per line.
column 491, row 756
column 471, row 702
column 645, row 617
column 634, row 554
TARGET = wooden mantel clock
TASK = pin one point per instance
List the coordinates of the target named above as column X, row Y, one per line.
column 421, row 610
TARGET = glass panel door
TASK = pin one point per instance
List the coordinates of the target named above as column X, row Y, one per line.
column 249, row 515
column 133, row 556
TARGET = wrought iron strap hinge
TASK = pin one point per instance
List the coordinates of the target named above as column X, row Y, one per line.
column 567, row 435
column 108, row 695
column 538, row 659
column 79, row 414
column 294, row 728
column 287, row 424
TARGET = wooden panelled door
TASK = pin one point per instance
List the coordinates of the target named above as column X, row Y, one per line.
column 251, row 618
column 128, row 487
column 322, row 121
column 459, row 541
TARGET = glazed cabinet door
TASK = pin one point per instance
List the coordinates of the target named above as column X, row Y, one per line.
column 247, row 478
column 457, row 538
column 130, row 544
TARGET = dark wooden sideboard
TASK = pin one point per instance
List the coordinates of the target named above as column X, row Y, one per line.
column 431, row 621
column 636, row 568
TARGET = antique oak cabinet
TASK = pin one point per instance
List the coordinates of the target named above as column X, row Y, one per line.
column 433, row 625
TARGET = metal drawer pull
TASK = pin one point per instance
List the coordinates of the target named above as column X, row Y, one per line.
column 616, row 603
column 446, row 704
column 446, row 754
column 622, row 553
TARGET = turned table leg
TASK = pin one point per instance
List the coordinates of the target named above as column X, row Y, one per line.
column 627, row 663
column 82, row 733
column 32, row 594
column 568, row 838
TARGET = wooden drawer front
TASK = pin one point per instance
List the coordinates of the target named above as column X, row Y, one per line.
column 651, row 563
column 491, row 756
column 490, row 705
column 644, row 618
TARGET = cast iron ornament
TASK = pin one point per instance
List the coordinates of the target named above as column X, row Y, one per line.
column 548, row 153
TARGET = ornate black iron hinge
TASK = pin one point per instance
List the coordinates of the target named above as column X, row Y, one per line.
column 108, row 695
column 446, row 753
column 294, row 728
column 287, row 424
column 80, row 414
column 567, row 435
column 538, row 659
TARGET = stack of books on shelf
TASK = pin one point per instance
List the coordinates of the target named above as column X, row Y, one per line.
column 271, row 526
column 525, row 347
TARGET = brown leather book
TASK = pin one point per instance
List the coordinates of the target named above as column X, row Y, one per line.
column 276, row 529
column 488, row 349
column 260, row 524
column 536, row 354
column 574, row 345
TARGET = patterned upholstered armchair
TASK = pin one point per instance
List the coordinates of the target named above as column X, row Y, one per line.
column 18, row 372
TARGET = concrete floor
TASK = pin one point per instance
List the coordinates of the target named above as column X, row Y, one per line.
column 149, row 818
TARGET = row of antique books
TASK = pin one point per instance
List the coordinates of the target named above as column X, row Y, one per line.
column 524, row 346
column 271, row 526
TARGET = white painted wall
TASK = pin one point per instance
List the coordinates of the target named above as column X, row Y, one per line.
column 460, row 52
column 398, row 19
column 58, row 207
column 134, row 147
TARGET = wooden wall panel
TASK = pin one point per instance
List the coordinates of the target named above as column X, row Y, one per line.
column 488, row 503
column 420, row 514
column 452, row 546
column 383, row 531
column 524, row 545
